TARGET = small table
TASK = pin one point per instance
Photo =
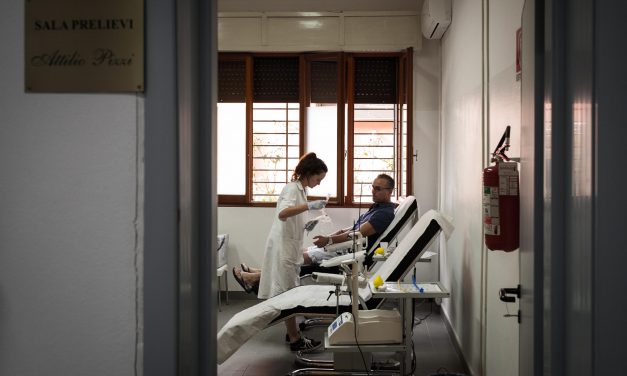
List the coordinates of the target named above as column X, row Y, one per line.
column 349, row 357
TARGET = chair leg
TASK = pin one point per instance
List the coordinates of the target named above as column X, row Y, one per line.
column 226, row 282
column 219, row 299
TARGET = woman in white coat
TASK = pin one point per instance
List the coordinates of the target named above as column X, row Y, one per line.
column 284, row 255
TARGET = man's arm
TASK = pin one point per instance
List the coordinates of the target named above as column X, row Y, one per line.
column 341, row 236
column 366, row 229
column 341, row 231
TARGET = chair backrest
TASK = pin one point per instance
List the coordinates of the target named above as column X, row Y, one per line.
column 413, row 245
column 223, row 242
column 405, row 211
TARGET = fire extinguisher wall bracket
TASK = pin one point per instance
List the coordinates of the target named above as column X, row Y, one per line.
column 498, row 155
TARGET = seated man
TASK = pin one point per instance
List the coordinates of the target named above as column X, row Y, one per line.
column 370, row 224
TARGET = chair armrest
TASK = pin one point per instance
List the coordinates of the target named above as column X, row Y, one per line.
column 343, row 245
column 339, row 259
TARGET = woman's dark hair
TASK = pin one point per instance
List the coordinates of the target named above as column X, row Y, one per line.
column 308, row 165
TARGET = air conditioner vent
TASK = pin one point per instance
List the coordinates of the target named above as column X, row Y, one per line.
column 436, row 17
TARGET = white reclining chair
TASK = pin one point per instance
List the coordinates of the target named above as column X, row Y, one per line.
column 312, row 300
column 406, row 213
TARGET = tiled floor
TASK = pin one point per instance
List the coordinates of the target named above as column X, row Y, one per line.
column 266, row 354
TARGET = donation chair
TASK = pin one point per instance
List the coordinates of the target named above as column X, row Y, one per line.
column 312, row 300
column 405, row 213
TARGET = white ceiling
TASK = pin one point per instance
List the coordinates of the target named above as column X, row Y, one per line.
column 317, row 5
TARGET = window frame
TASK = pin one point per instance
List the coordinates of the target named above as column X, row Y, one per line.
column 345, row 111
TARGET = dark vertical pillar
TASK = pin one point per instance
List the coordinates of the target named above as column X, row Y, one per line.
column 610, row 243
column 161, row 194
column 196, row 78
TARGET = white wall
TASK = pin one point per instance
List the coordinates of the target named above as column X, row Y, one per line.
column 70, row 224
column 426, row 167
column 318, row 31
column 502, row 269
column 480, row 96
column 461, row 256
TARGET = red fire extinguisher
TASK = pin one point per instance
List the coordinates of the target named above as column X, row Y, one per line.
column 501, row 203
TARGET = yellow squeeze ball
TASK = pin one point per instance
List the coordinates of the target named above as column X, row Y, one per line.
column 379, row 251
column 378, row 281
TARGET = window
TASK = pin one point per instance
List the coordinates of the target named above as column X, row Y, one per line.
column 350, row 109
column 322, row 119
column 232, row 127
column 276, row 125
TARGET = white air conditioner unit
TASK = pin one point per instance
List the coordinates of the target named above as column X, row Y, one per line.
column 436, row 17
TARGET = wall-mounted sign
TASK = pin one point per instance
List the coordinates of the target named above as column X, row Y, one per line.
column 84, row 46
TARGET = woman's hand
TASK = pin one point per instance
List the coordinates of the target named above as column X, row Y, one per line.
column 317, row 205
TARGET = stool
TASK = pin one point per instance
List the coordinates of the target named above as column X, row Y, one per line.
column 222, row 272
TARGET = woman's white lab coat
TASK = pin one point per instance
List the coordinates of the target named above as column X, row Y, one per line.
column 284, row 254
